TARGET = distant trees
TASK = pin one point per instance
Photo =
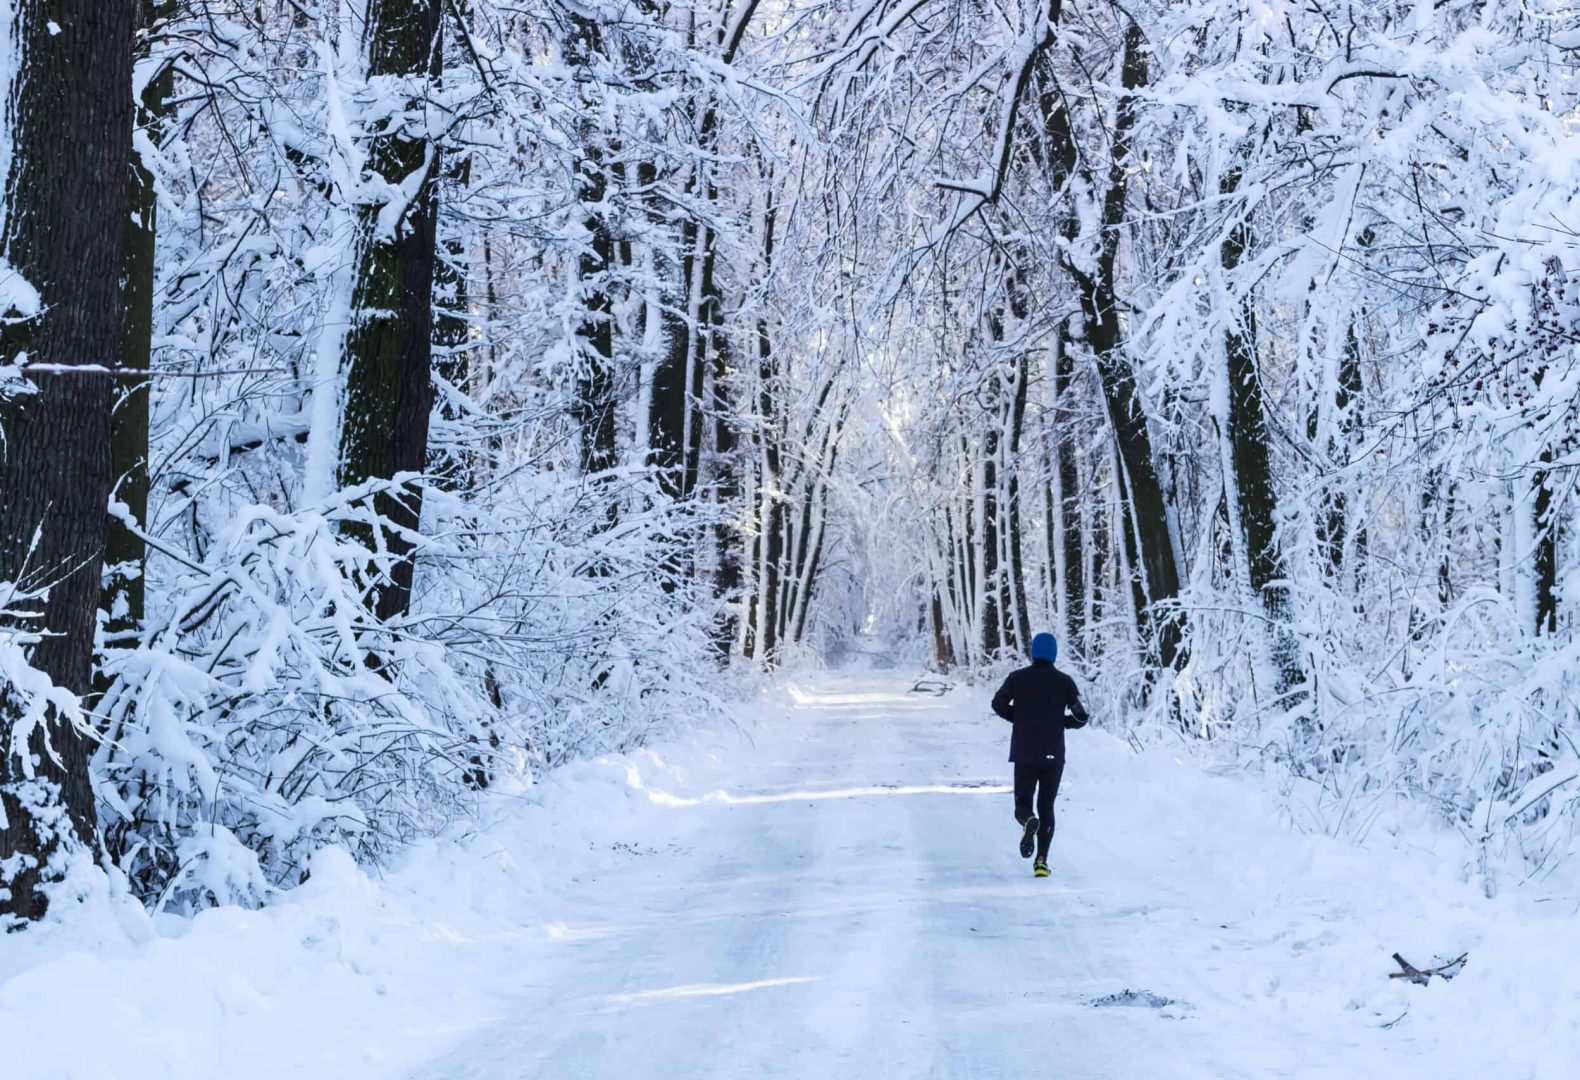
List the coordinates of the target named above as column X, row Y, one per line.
column 1272, row 365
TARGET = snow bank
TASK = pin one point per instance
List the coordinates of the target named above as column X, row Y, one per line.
column 344, row 976
column 1235, row 912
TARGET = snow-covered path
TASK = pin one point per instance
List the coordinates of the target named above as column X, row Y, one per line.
column 831, row 892
column 843, row 899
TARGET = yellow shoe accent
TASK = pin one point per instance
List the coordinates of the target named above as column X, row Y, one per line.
column 1040, row 870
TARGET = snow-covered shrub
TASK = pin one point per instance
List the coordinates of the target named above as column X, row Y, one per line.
column 268, row 712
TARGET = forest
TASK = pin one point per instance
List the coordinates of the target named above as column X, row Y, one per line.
column 399, row 396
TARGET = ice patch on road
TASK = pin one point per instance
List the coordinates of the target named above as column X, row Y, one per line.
column 692, row 990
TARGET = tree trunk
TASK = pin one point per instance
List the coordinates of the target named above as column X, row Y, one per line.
column 1546, row 550
column 668, row 445
column 1256, row 502
column 124, row 556
column 389, row 346
column 1149, row 548
column 1148, row 545
column 1059, row 158
column 1333, row 517
column 595, row 406
column 66, row 208
column 452, row 337
column 1070, row 502
column 1102, row 517
column 1016, row 613
column 770, row 501
column 727, row 537
column 989, row 585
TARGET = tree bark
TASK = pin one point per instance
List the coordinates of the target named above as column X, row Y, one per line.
column 991, row 587
column 1057, row 152
column 452, row 334
column 669, row 447
column 1333, row 518
column 1546, row 529
column 1070, row 502
column 595, row 406
column 1256, row 503
column 769, row 498
column 124, row 592
column 1148, row 544
column 1017, row 616
column 389, row 347
column 66, row 207
column 727, row 537
column 1149, row 548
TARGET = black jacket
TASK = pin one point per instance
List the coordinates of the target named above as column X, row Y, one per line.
column 1035, row 699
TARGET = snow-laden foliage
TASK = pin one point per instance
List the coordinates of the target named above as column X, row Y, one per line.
column 264, row 709
column 269, row 712
column 1376, row 209
column 1233, row 341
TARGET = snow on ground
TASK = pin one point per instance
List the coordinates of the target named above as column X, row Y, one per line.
column 832, row 891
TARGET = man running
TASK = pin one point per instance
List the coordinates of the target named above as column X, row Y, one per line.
column 1036, row 699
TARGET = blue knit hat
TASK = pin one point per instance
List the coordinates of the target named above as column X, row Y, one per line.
column 1045, row 647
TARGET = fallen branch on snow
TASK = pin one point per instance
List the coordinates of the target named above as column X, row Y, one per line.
column 1421, row 976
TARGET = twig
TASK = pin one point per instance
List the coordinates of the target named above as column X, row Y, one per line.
column 1422, row 977
column 135, row 373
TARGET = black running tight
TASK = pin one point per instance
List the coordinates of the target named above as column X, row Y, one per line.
column 1041, row 778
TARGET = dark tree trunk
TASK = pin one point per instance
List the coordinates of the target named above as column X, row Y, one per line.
column 452, row 336
column 1070, row 498
column 713, row 360
column 1102, row 518
column 124, row 556
column 1057, row 152
column 988, row 548
column 1333, row 518
column 1544, row 523
column 66, row 202
column 1052, row 580
column 1435, row 530
column 953, row 594
column 814, row 563
column 1148, row 545
column 728, row 538
column 811, row 533
column 943, row 658
column 771, row 506
column 389, row 347
column 1546, row 550
column 1255, row 500
column 1017, row 617
column 668, row 445
column 595, row 407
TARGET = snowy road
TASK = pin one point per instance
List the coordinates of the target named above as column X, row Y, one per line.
column 831, row 893
column 849, row 903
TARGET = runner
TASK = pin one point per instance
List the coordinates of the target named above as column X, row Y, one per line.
column 1041, row 701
